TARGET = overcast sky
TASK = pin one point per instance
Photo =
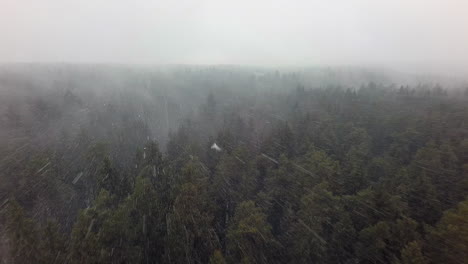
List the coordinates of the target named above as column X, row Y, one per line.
column 254, row 32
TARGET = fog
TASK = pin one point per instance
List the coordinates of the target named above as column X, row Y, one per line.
column 421, row 35
column 212, row 131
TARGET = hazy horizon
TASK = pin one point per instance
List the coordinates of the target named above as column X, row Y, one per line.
column 402, row 35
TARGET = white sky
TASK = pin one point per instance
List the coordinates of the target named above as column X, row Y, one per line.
column 432, row 33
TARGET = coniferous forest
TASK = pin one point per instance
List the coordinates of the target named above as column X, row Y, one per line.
column 114, row 164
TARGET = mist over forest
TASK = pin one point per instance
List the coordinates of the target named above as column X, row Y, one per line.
column 231, row 164
column 226, row 132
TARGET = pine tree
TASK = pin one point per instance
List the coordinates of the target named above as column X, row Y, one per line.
column 323, row 231
column 249, row 238
column 217, row 258
column 448, row 241
column 53, row 244
column 191, row 237
column 24, row 246
column 412, row 254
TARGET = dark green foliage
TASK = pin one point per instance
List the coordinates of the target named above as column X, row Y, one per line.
column 217, row 258
column 30, row 243
column 53, row 247
column 323, row 230
column 190, row 235
column 370, row 175
column 249, row 237
column 24, row 240
column 448, row 241
column 412, row 254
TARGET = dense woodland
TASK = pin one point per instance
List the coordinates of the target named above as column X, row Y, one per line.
column 118, row 165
